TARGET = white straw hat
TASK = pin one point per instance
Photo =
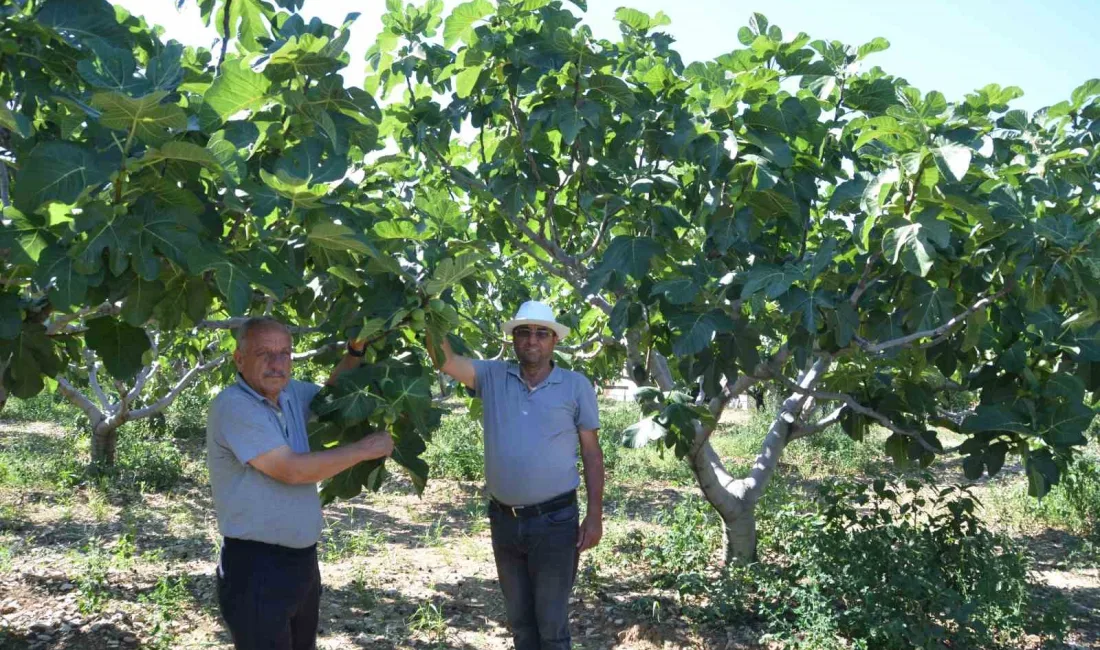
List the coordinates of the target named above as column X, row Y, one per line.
column 534, row 312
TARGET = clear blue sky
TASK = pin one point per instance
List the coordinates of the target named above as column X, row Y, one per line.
column 1044, row 47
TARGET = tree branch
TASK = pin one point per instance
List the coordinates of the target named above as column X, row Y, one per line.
column 864, row 279
column 57, row 326
column 546, row 264
column 93, row 379
column 909, row 200
column 95, row 416
column 778, row 435
column 719, row 403
column 555, row 251
column 870, row 413
column 550, row 229
column 184, row 382
column 225, row 38
column 738, row 495
column 599, row 301
column 328, row 347
column 550, row 247
column 234, row 323
column 4, row 183
column 591, row 250
column 932, row 333
column 801, row 430
column 233, row 229
column 121, row 410
column 139, row 385
column 523, row 136
column 551, row 197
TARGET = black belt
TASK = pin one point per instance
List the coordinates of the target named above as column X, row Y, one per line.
column 525, row 512
column 252, row 547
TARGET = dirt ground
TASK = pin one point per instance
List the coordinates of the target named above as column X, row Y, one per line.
column 399, row 571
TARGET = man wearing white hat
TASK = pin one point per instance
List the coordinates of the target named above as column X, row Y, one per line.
column 535, row 417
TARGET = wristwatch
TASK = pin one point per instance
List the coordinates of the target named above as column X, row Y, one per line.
column 356, row 353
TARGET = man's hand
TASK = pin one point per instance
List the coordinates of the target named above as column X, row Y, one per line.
column 590, row 533
column 452, row 364
column 349, row 361
column 376, row 445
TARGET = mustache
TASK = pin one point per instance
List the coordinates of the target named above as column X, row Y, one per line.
column 280, row 375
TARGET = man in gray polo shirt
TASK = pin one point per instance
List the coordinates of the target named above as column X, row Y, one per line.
column 264, row 482
column 535, row 416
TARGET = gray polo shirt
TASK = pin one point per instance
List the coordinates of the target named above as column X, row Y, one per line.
column 250, row 505
column 531, row 434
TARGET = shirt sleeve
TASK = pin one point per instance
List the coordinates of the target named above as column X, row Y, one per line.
column 485, row 371
column 304, row 392
column 243, row 428
column 588, row 410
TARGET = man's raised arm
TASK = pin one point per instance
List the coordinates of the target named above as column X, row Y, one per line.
column 455, row 365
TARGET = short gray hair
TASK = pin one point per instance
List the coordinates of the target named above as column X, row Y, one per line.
column 258, row 323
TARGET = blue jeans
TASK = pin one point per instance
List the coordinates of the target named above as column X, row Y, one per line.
column 536, row 563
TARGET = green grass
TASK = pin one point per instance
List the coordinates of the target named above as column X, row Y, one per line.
column 44, row 407
column 93, row 564
column 7, row 554
column 144, row 461
column 428, row 620
column 167, row 599
column 1073, row 505
column 343, row 543
column 363, row 590
column 36, row 460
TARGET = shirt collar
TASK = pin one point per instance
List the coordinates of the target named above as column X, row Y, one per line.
column 555, row 376
column 249, row 390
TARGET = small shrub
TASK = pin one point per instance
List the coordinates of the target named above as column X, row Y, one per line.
column 363, row 590
column 167, row 598
column 434, row 534
column 91, row 582
column 896, row 566
column 614, row 418
column 429, row 621
column 186, row 417
column 590, row 576
column 1075, row 501
column 680, row 553
column 651, row 463
column 146, row 462
column 833, row 452
column 456, row 450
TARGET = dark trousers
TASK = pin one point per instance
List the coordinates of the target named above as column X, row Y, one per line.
column 536, row 561
column 269, row 595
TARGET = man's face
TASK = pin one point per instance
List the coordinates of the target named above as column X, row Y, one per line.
column 264, row 361
column 534, row 345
